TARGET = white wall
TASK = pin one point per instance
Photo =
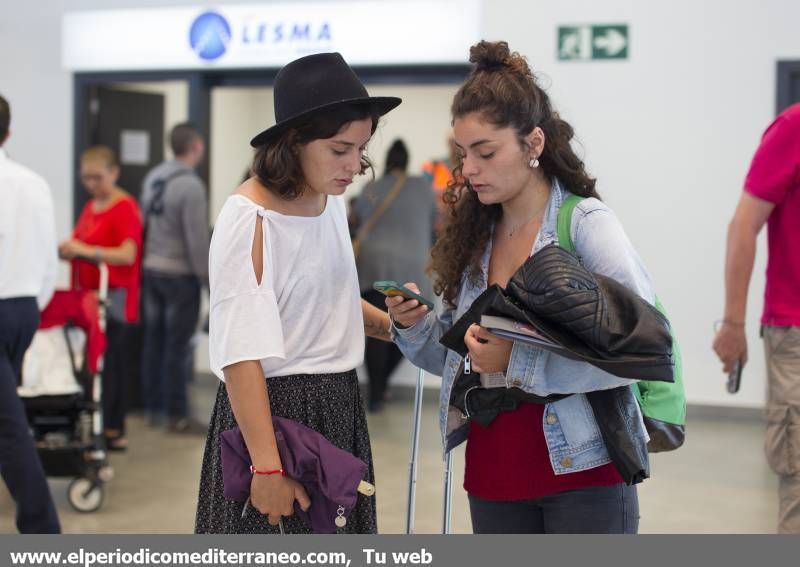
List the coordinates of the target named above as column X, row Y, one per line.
column 669, row 132
column 237, row 114
column 422, row 121
column 40, row 94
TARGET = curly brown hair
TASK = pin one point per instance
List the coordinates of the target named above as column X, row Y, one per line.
column 502, row 88
column 276, row 163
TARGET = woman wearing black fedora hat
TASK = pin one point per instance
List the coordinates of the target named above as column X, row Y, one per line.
column 287, row 323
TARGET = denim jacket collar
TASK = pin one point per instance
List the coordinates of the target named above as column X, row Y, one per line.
column 547, row 235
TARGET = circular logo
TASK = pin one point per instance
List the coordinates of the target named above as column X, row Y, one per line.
column 210, row 35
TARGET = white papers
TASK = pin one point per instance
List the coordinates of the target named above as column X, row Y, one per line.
column 134, row 147
column 516, row 331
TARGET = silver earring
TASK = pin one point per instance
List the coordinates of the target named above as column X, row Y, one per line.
column 534, row 163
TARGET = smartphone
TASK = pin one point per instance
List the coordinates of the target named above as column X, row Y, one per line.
column 735, row 378
column 391, row 289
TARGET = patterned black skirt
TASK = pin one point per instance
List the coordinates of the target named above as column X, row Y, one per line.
column 328, row 403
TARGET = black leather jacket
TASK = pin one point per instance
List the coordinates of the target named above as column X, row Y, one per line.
column 588, row 317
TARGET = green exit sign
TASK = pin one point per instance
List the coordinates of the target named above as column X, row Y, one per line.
column 585, row 43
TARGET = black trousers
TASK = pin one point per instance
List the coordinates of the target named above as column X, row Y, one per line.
column 380, row 357
column 120, row 368
column 20, row 466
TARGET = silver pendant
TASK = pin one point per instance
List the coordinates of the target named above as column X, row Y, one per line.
column 340, row 520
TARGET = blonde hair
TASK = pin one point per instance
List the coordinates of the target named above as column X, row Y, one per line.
column 100, row 153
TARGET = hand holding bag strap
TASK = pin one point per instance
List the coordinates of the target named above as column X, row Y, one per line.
column 367, row 227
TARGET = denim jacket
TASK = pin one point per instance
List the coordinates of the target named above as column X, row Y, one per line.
column 573, row 439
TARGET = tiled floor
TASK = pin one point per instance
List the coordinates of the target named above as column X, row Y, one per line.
column 717, row 483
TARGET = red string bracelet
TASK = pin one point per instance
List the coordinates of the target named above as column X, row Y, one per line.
column 254, row 470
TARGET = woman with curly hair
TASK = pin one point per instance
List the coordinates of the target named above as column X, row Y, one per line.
column 539, row 468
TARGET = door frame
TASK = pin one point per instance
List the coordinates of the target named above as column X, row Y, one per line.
column 200, row 84
column 786, row 70
column 82, row 84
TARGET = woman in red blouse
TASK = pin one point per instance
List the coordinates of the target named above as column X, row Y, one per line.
column 109, row 230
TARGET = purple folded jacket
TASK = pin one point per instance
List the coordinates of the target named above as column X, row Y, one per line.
column 330, row 475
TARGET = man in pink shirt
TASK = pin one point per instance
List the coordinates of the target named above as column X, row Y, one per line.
column 772, row 196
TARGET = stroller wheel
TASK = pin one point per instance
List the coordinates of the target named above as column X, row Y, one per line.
column 85, row 495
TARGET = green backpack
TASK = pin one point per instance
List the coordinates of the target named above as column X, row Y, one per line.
column 663, row 404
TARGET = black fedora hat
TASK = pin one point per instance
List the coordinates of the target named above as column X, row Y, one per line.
column 315, row 83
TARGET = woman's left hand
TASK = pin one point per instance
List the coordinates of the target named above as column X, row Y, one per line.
column 487, row 352
column 70, row 249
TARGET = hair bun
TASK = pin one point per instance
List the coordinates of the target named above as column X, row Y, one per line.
column 495, row 56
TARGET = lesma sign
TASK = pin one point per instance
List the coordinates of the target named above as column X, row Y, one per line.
column 270, row 35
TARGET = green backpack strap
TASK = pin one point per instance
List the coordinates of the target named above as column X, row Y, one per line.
column 663, row 404
column 564, row 223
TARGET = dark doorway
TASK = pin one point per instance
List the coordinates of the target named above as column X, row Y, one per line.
column 88, row 86
column 130, row 123
column 788, row 84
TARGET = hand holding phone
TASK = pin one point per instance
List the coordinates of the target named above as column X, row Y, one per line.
column 735, row 378
column 404, row 313
column 392, row 289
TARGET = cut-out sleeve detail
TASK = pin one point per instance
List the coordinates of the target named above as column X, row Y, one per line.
column 245, row 321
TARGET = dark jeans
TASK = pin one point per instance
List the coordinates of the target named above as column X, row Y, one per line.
column 380, row 357
column 20, row 466
column 171, row 307
column 596, row 510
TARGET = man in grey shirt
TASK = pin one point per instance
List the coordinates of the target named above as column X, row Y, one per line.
column 175, row 268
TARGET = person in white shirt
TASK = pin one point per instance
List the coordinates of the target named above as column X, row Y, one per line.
column 28, row 268
column 287, row 323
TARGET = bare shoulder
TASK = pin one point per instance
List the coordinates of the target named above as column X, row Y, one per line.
column 259, row 194
column 252, row 189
